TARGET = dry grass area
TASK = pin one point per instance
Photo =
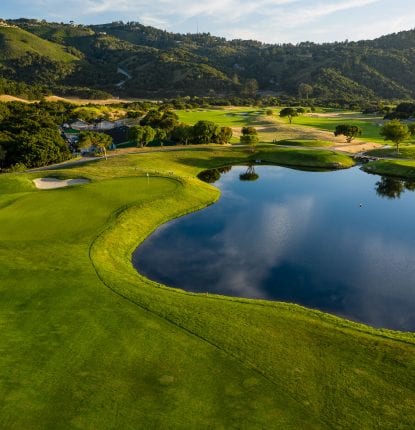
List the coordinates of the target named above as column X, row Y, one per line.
column 85, row 101
column 278, row 129
column 7, row 98
column 357, row 146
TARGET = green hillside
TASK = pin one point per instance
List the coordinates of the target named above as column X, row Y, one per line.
column 161, row 64
column 16, row 43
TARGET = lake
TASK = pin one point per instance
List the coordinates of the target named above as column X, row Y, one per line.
column 342, row 242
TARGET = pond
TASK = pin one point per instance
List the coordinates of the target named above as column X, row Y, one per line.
column 342, row 242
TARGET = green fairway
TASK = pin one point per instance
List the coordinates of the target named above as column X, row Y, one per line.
column 370, row 125
column 230, row 117
column 87, row 343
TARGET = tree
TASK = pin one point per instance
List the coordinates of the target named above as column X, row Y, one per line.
column 249, row 137
column 142, row 135
column 205, row 132
column 305, row 90
column 152, row 118
column 225, row 135
column 396, row 132
column 161, row 136
column 136, row 134
column 289, row 113
column 169, row 120
column 183, row 133
column 350, row 131
column 99, row 141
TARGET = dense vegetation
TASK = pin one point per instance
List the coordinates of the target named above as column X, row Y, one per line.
column 29, row 135
column 129, row 59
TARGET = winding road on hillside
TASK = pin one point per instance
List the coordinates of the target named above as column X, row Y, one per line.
column 124, row 73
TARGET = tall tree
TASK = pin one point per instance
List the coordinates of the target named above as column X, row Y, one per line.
column 249, row 137
column 395, row 131
column 182, row 134
column 142, row 135
column 305, row 90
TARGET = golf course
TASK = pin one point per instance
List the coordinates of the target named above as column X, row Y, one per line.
column 88, row 343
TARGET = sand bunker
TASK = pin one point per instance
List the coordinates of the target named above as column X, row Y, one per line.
column 52, row 183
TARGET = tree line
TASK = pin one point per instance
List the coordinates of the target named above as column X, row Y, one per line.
column 163, row 126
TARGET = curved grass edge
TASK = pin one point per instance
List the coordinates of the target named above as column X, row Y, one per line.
column 129, row 229
column 403, row 169
column 281, row 342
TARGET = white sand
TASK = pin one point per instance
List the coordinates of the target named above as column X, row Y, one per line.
column 52, row 183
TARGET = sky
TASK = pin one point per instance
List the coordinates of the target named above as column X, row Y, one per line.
column 270, row 21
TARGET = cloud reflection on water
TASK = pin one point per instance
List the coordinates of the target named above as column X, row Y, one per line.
column 299, row 237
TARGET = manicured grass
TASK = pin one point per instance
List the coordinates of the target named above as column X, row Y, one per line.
column 230, row 117
column 305, row 158
column 399, row 168
column 88, row 343
column 370, row 126
column 305, row 143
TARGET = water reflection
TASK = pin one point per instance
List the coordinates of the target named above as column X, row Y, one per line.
column 299, row 237
column 392, row 188
column 213, row 175
column 250, row 174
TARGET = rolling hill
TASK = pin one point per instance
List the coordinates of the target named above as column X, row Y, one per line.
column 159, row 63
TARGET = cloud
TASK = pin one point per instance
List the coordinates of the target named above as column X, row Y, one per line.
column 265, row 20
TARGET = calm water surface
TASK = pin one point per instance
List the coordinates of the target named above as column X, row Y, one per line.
column 342, row 242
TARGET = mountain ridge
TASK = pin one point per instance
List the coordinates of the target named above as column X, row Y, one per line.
column 169, row 64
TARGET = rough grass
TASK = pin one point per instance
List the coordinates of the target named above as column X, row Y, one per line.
column 15, row 43
column 88, row 343
column 405, row 151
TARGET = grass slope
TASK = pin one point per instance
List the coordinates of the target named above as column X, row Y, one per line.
column 398, row 168
column 15, row 43
column 88, row 343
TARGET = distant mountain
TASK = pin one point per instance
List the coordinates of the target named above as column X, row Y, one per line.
column 130, row 59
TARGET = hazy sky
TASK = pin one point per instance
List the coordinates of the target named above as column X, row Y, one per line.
column 265, row 20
